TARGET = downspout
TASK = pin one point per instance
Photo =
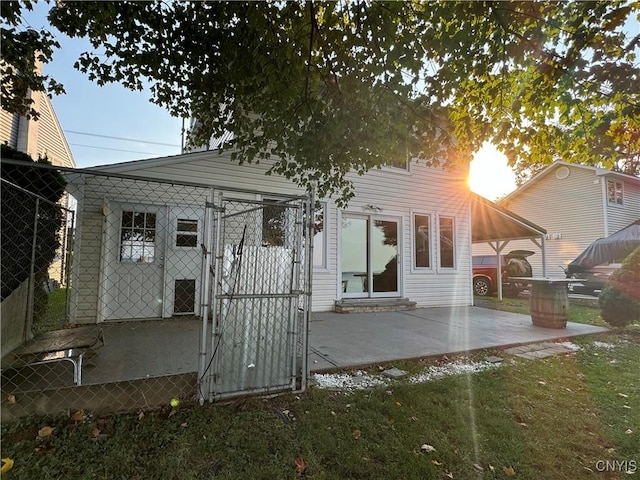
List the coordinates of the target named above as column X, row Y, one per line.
column 605, row 212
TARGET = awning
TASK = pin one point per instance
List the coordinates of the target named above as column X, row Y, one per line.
column 492, row 223
column 497, row 226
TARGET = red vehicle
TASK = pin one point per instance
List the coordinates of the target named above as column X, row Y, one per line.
column 514, row 264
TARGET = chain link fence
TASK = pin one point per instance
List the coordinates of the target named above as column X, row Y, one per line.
column 123, row 292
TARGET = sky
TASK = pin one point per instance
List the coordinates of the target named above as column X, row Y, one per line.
column 112, row 124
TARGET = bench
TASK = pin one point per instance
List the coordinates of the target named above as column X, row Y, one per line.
column 71, row 345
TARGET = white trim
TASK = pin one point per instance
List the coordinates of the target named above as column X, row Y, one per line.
column 430, row 216
column 325, row 242
column 440, row 268
column 615, row 182
column 605, row 211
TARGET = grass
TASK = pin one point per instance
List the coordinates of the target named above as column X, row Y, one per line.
column 52, row 313
column 553, row 418
column 579, row 310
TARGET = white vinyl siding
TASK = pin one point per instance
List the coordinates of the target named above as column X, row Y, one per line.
column 394, row 193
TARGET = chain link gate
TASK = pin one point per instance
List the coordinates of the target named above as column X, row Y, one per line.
column 258, row 263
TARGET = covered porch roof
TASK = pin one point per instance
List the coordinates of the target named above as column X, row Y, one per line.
column 497, row 226
column 492, row 223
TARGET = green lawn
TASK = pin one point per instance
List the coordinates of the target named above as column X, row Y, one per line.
column 580, row 311
column 555, row 418
column 52, row 315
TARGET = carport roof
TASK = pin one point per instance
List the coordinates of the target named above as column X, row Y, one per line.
column 491, row 222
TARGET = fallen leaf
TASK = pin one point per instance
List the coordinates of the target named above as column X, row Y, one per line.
column 414, row 419
column 509, row 471
column 627, row 407
column 427, row 448
column 301, row 467
column 79, row 416
column 448, row 475
column 492, row 468
column 436, row 463
column 629, row 432
column 7, row 464
column 183, row 425
column 11, row 399
column 522, row 424
column 357, row 434
column 95, row 433
column 45, row 432
column 398, row 404
column 478, row 467
column 622, row 395
column 542, row 382
column 140, row 415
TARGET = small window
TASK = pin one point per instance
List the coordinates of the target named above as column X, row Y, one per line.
column 400, row 164
column 447, row 242
column 614, row 192
column 137, row 237
column 421, row 242
column 187, row 233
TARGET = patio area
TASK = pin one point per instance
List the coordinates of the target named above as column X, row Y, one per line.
column 139, row 350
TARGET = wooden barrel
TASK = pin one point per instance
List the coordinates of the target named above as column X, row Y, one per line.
column 549, row 305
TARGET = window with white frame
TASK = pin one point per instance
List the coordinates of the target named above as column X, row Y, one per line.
column 187, row 233
column 319, row 235
column 447, row 244
column 421, row 241
column 614, row 192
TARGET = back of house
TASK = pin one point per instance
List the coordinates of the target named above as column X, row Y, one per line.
column 405, row 236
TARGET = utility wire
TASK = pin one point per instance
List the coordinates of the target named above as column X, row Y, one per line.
column 121, row 138
column 116, row 149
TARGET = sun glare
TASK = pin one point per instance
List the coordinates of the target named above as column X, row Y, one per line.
column 489, row 174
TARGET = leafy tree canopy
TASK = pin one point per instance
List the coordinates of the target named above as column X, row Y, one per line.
column 20, row 50
column 325, row 88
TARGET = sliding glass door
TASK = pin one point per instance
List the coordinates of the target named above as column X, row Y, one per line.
column 370, row 256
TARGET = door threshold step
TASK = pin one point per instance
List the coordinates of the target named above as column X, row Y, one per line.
column 369, row 305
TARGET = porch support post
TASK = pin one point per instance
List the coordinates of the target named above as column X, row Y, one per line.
column 542, row 245
column 499, row 246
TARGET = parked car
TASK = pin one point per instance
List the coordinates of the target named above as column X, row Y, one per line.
column 513, row 264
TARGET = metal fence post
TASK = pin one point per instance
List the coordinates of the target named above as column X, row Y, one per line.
column 28, row 324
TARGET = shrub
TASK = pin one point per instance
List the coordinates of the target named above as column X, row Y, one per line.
column 18, row 214
column 619, row 300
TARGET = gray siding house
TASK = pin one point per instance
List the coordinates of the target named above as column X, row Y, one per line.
column 575, row 204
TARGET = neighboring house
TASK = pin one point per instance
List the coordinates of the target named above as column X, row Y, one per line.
column 576, row 204
column 37, row 137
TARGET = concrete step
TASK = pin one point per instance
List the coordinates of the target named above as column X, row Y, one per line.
column 368, row 305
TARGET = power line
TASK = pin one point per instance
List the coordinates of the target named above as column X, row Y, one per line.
column 116, row 149
column 121, row 138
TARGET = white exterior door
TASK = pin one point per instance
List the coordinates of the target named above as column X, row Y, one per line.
column 183, row 265
column 133, row 262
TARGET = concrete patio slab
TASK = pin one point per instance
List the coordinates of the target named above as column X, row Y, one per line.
column 340, row 341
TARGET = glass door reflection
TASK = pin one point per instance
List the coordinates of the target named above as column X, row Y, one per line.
column 369, row 256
